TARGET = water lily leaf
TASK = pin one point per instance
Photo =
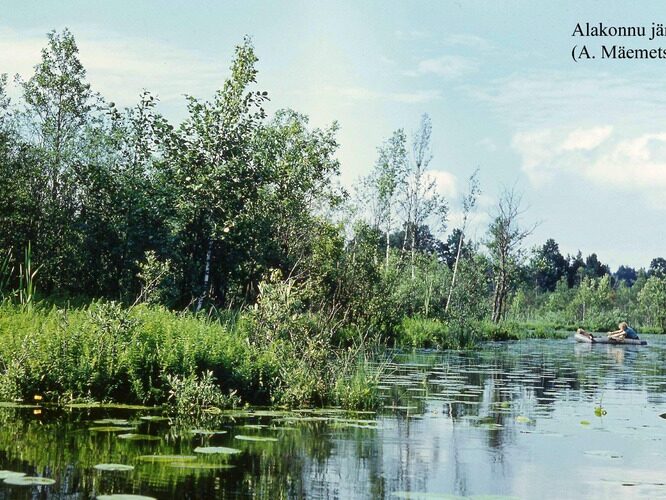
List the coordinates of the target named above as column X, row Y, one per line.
column 29, row 481
column 200, row 466
column 113, row 467
column 139, row 437
column 154, row 418
column 167, row 458
column 117, row 406
column 110, row 428
column 12, row 404
column 254, row 426
column 523, row 420
column 584, row 422
column 217, row 449
column 4, row 474
column 111, row 421
column 124, row 496
column 256, row 438
column 204, row 432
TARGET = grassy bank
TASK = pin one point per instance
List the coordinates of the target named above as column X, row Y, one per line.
column 148, row 354
column 433, row 333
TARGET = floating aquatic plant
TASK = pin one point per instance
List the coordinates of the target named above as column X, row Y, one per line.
column 29, row 481
column 113, row 467
column 256, row 438
column 217, row 449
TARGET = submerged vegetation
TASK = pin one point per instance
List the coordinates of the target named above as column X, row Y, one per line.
column 218, row 262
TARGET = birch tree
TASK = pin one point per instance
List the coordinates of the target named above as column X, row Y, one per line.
column 420, row 199
column 505, row 246
column 469, row 202
column 210, row 160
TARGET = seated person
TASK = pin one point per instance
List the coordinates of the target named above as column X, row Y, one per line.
column 625, row 331
column 580, row 331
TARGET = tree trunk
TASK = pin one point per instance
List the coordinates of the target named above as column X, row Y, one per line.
column 206, row 275
column 455, row 272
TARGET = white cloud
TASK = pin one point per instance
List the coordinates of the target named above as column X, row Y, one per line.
column 445, row 182
column 586, row 139
column 554, row 99
column 365, row 94
column 467, row 40
column 630, row 165
column 447, row 66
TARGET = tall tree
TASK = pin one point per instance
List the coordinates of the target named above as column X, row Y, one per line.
column 548, row 266
column 657, row 267
column 210, row 160
column 505, row 245
column 58, row 105
column 469, row 201
column 385, row 181
column 420, row 199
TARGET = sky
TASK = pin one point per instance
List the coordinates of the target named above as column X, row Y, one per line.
column 584, row 141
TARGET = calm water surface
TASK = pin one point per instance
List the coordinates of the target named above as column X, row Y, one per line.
column 532, row 419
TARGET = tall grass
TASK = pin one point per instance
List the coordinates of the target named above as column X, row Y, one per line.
column 148, row 354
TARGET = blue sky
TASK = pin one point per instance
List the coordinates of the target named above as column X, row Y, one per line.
column 584, row 142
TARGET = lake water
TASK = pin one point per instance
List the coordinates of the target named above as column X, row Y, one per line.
column 532, row 419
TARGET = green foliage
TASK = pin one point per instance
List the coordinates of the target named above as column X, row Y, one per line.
column 652, row 301
column 192, row 395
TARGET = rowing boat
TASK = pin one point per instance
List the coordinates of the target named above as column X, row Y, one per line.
column 605, row 340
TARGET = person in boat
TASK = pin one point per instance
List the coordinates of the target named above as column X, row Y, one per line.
column 624, row 331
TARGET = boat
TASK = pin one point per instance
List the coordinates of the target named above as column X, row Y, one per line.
column 605, row 340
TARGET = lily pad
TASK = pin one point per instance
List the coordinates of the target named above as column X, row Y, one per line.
column 217, row 449
column 166, row 458
column 4, row 474
column 29, row 481
column 523, row 420
column 200, row 466
column 111, row 421
column 113, row 467
column 205, row 432
column 584, row 422
column 124, row 496
column 263, row 439
column 154, row 418
column 139, row 437
column 12, row 404
column 110, row 406
column 109, row 428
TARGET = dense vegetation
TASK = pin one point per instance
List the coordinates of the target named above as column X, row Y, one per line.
column 141, row 259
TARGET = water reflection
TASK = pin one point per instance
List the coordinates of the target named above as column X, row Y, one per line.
column 518, row 419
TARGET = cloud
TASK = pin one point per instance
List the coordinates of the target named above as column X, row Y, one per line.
column 365, row 94
column 411, row 35
column 544, row 99
column 586, row 139
column 445, row 182
column 634, row 164
column 447, row 66
column 467, row 40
